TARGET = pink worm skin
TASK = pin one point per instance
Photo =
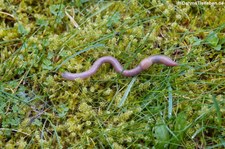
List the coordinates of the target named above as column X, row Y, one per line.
column 144, row 64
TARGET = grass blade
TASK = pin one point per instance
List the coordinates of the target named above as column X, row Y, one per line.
column 79, row 52
column 217, row 109
column 124, row 98
column 98, row 12
column 56, row 134
column 170, row 106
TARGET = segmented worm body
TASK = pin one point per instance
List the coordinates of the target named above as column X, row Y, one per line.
column 144, row 64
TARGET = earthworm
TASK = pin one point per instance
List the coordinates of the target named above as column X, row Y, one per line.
column 144, row 64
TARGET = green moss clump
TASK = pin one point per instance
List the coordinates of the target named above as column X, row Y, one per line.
column 39, row 41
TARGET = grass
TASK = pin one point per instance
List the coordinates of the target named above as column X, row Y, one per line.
column 179, row 107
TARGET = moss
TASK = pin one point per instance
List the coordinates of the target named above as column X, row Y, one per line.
column 39, row 109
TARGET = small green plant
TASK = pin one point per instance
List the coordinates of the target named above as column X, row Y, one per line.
column 58, row 12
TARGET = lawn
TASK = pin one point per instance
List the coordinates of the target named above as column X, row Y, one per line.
column 162, row 107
